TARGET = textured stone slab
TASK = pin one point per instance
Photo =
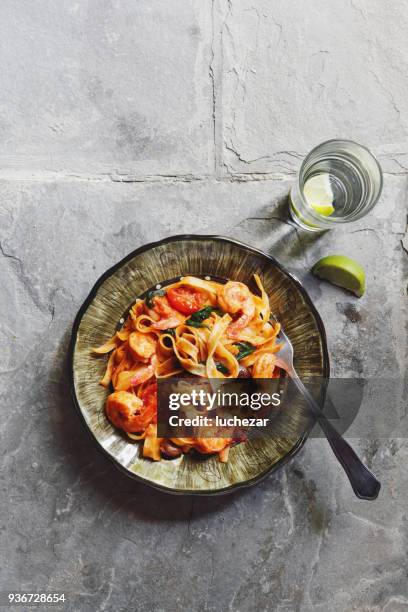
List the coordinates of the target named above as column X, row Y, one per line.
column 109, row 87
column 95, row 93
column 295, row 75
column 298, row 541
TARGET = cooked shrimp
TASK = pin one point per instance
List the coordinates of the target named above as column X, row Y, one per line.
column 169, row 317
column 127, row 411
column 163, row 308
column 141, row 346
column 131, row 378
column 169, row 323
column 264, row 366
column 235, row 297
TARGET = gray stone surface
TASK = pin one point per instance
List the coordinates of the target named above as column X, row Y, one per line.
column 188, row 82
column 107, row 88
column 295, row 75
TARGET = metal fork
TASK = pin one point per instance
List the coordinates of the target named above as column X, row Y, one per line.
column 364, row 483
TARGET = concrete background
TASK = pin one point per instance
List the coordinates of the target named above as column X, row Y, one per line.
column 124, row 122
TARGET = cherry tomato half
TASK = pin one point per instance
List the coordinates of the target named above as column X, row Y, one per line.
column 185, row 299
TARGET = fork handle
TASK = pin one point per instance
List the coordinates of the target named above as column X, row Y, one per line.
column 365, row 484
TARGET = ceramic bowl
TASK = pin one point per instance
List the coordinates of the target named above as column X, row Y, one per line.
column 108, row 303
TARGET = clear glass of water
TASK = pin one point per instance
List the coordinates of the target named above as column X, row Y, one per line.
column 338, row 182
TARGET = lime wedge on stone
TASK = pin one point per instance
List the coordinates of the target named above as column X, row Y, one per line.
column 342, row 271
column 319, row 195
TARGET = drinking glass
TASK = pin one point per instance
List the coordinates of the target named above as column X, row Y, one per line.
column 338, row 182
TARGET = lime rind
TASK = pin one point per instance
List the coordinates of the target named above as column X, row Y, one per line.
column 342, row 271
column 323, row 209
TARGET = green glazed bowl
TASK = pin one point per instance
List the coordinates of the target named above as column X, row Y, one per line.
column 106, row 306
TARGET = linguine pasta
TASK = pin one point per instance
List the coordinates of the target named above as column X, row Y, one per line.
column 193, row 327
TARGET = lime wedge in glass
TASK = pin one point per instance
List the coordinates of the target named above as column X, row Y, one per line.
column 319, row 194
column 342, row 271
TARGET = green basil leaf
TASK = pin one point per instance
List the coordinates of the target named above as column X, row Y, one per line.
column 199, row 316
column 245, row 349
column 222, row 368
column 196, row 318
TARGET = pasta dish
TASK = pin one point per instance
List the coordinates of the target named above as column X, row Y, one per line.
column 193, row 327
